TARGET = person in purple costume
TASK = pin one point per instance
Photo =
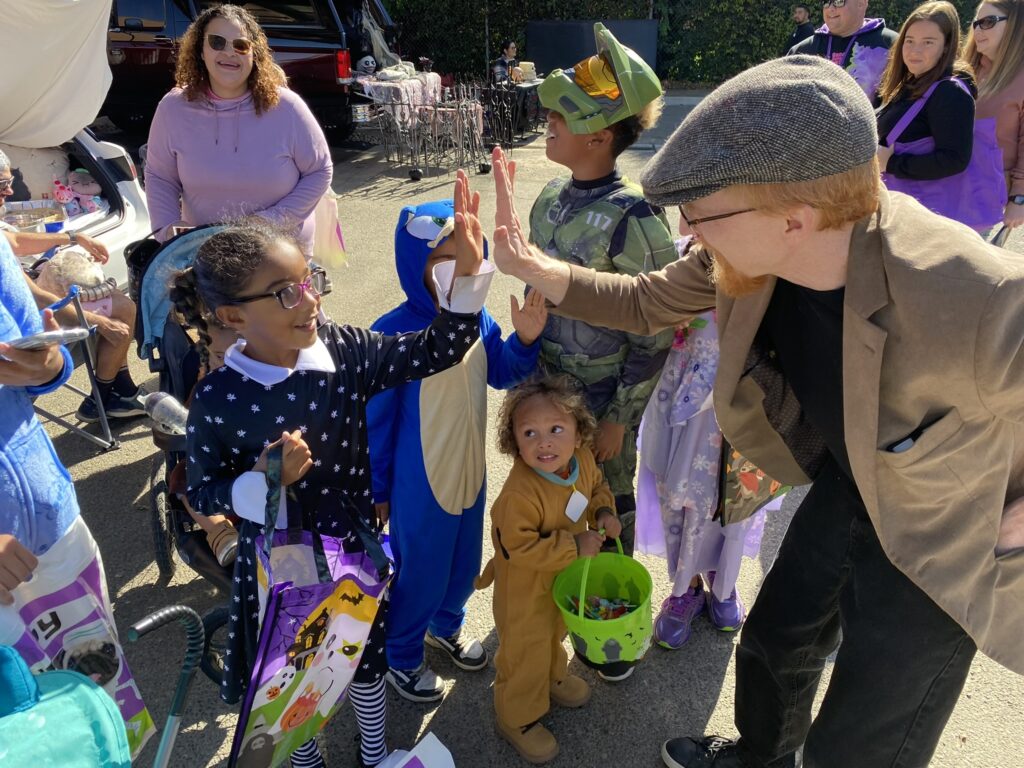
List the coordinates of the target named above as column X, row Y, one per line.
column 678, row 492
column 858, row 45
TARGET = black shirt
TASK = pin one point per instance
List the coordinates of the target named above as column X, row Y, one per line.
column 947, row 117
column 801, row 33
column 803, row 331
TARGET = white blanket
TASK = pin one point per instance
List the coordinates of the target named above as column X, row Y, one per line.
column 57, row 74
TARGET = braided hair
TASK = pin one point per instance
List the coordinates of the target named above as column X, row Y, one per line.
column 223, row 266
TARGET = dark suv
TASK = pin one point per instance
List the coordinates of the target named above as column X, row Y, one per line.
column 315, row 41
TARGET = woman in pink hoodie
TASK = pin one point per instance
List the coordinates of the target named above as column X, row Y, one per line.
column 231, row 139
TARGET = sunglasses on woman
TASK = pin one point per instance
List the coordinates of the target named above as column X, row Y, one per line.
column 239, row 44
column 291, row 295
column 833, row 3
column 987, row 22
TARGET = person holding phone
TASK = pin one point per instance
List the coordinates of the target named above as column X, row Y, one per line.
column 231, row 140
column 48, row 556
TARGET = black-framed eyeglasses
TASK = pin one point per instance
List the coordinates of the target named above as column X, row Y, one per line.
column 987, row 22
column 692, row 223
column 7, row 183
column 291, row 295
column 833, row 3
column 240, row 44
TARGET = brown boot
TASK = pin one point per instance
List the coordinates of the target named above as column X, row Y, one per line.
column 573, row 692
column 534, row 743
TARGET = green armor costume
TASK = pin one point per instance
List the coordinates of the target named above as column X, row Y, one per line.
column 607, row 226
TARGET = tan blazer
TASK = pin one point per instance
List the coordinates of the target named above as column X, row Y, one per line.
column 933, row 339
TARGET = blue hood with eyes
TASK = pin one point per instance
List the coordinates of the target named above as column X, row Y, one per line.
column 420, row 229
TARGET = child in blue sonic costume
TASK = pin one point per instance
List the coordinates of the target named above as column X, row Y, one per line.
column 427, row 455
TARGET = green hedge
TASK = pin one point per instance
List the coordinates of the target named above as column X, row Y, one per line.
column 699, row 41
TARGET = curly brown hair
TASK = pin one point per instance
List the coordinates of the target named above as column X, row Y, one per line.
column 563, row 393
column 266, row 77
column 625, row 133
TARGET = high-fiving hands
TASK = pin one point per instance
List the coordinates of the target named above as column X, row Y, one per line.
column 469, row 235
column 511, row 245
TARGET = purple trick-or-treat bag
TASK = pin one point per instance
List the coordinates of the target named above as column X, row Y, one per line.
column 975, row 196
column 318, row 605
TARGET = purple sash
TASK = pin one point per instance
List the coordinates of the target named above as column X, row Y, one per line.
column 976, row 195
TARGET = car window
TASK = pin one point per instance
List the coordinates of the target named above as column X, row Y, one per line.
column 279, row 14
column 138, row 14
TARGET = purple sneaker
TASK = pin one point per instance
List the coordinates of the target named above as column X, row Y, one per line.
column 726, row 615
column 672, row 627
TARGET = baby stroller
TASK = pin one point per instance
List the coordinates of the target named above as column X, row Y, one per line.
column 172, row 353
column 85, row 726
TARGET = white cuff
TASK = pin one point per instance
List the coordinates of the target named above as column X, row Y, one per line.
column 468, row 294
column 249, row 499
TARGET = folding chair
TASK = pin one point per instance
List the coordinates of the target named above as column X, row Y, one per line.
column 83, row 353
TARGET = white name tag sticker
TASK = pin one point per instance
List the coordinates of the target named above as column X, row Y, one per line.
column 577, row 506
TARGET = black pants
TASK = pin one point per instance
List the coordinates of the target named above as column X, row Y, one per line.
column 901, row 665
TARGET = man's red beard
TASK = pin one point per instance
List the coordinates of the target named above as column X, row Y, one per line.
column 731, row 282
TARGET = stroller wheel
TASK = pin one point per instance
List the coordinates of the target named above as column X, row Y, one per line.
column 216, row 625
column 160, row 518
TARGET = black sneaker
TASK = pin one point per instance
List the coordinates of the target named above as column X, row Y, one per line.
column 421, row 685
column 706, row 752
column 87, row 411
column 120, row 407
column 470, row 656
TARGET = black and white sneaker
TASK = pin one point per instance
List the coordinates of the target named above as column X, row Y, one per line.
column 470, row 656
column 421, row 684
column 705, row 752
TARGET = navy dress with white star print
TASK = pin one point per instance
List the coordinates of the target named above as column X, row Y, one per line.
column 233, row 418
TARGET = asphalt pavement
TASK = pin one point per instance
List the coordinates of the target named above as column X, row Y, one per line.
column 689, row 691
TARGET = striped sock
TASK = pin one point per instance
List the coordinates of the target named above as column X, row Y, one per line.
column 308, row 756
column 371, row 706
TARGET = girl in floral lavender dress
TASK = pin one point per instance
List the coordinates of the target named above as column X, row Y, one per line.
column 677, row 495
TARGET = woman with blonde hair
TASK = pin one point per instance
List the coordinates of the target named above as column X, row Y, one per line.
column 995, row 48
column 929, row 145
column 231, row 139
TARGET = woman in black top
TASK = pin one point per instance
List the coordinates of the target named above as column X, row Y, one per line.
column 927, row 51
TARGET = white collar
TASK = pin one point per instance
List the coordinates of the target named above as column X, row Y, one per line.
column 314, row 358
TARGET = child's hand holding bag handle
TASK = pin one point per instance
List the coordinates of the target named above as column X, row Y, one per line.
column 318, row 604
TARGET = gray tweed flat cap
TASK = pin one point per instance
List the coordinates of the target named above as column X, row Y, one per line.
column 791, row 119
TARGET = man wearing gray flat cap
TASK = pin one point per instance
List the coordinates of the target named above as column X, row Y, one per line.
column 870, row 348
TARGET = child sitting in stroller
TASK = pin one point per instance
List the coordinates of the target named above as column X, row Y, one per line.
column 214, row 340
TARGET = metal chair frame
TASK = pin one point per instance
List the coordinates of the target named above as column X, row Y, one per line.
column 105, row 439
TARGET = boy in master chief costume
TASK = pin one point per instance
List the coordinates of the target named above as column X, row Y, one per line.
column 598, row 219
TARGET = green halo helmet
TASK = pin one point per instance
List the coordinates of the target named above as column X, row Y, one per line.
column 603, row 89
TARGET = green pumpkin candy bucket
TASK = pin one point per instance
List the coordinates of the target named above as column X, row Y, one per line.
column 612, row 645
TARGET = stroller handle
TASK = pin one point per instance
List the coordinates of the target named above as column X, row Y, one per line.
column 193, row 629
column 193, row 654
